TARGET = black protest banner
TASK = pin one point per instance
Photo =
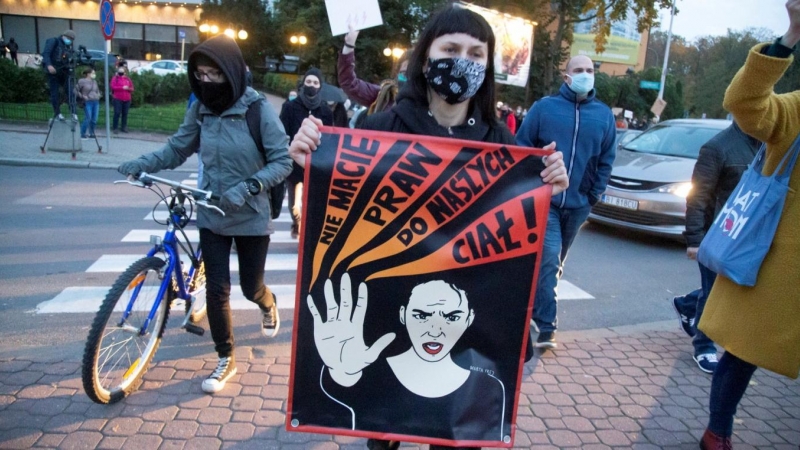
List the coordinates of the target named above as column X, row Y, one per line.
column 418, row 263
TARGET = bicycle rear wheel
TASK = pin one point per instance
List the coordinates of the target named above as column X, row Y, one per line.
column 117, row 352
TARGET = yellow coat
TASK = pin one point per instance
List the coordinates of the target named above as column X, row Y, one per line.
column 761, row 325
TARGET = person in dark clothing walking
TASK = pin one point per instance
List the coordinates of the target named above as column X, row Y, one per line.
column 450, row 94
column 3, row 47
column 243, row 171
column 721, row 163
column 308, row 102
column 55, row 61
column 13, row 49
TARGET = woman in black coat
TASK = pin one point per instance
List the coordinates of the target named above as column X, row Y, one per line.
column 308, row 102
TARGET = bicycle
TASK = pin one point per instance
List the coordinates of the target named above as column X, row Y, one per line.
column 118, row 352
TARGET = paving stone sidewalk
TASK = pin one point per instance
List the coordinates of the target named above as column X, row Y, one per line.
column 640, row 390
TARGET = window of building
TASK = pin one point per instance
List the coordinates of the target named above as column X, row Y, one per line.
column 22, row 29
column 48, row 28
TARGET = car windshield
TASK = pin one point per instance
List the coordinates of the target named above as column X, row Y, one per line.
column 672, row 140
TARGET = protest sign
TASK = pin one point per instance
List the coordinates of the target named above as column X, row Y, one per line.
column 359, row 14
column 418, row 262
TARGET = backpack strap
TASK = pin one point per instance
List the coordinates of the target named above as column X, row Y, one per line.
column 253, row 119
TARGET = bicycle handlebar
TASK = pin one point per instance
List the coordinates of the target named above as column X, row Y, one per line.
column 200, row 196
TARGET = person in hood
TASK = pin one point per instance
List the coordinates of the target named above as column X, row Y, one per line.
column 57, row 65
column 241, row 170
column 583, row 128
column 308, row 102
column 438, row 101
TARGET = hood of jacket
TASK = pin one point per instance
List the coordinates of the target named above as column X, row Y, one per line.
column 419, row 120
column 227, row 56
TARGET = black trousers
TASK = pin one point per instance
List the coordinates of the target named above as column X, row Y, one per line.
column 252, row 252
column 121, row 109
column 56, row 82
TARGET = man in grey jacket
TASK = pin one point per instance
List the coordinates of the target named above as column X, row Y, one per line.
column 233, row 164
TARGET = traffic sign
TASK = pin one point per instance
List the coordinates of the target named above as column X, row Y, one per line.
column 181, row 34
column 108, row 23
column 655, row 85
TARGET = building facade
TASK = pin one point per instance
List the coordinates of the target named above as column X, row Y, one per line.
column 145, row 31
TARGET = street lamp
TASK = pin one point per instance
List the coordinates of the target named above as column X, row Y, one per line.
column 298, row 39
column 395, row 53
column 212, row 29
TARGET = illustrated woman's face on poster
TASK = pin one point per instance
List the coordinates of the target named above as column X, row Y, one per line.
column 436, row 316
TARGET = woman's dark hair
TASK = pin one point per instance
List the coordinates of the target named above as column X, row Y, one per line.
column 87, row 71
column 453, row 19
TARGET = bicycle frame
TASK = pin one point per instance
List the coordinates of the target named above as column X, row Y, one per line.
column 168, row 245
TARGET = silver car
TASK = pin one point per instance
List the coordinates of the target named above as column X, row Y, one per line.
column 652, row 176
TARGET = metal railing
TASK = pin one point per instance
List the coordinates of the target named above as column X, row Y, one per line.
column 140, row 120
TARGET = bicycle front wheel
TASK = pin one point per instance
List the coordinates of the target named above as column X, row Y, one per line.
column 122, row 341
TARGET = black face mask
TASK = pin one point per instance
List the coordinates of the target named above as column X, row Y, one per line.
column 455, row 79
column 310, row 91
column 216, row 96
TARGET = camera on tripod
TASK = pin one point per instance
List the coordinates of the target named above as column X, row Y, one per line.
column 80, row 57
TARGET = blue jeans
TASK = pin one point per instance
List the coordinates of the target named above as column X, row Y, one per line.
column 91, row 109
column 693, row 304
column 562, row 227
column 730, row 381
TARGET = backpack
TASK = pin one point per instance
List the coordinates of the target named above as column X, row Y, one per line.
column 253, row 119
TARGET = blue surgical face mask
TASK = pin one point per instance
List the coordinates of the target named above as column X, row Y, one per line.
column 292, row 97
column 582, row 83
column 67, row 41
column 401, row 79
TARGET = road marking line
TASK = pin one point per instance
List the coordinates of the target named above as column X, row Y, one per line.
column 279, row 237
column 568, row 291
column 161, row 216
column 118, row 263
column 89, row 299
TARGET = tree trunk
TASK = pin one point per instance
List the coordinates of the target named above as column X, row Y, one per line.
column 554, row 55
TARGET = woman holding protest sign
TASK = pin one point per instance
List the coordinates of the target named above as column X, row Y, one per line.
column 450, row 94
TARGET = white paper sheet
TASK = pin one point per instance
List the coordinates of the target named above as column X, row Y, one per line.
column 360, row 14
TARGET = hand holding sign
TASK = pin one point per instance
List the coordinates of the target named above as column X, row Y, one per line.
column 340, row 340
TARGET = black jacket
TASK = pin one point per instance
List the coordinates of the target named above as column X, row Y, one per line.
column 721, row 163
column 292, row 114
column 412, row 118
column 56, row 54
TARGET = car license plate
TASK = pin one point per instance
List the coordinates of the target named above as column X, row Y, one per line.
column 620, row 202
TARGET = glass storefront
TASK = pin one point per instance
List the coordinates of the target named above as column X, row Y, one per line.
column 131, row 40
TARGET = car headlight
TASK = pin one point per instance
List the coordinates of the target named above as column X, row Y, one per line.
column 680, row 189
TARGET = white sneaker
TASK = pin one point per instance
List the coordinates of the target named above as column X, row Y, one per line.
column 60, row 117
column 226, row 368
column 707, row 362
column 74, row 117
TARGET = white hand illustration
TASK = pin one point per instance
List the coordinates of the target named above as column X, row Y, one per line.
column 340, row 340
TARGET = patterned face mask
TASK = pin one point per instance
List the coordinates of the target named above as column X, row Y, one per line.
column 455, row 79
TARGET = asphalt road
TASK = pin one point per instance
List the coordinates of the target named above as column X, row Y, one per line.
column 56, row 222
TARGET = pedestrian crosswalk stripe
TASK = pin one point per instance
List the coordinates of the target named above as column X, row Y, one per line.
column 88, row 299
column 161, row 216
column 118, row 263
column 568, row 291
column 279, row 237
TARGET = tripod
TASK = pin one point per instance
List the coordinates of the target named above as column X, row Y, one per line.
column 65, row 132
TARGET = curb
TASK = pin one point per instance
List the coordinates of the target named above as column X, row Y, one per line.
column 69, row 164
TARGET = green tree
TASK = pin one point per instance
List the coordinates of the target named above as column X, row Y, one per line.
column 250, row 15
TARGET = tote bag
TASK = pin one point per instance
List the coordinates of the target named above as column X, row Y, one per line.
column 742, row 233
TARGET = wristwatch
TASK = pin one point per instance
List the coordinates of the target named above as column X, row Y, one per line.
column 253, row 186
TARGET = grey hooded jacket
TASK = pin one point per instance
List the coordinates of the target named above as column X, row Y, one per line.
column 229, row 156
